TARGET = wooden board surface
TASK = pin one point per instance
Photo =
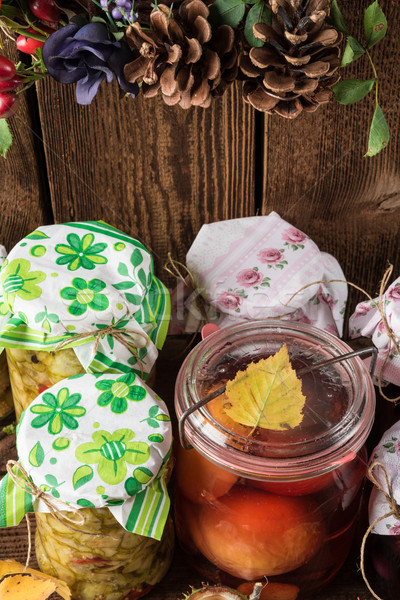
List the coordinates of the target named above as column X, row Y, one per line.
column 156, row 172
column 24, row 198
column 316, row 177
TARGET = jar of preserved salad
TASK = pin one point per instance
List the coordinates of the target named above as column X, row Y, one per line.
column 79, row 297
column 95, row 450
column 254, row 502
column 110, row 564
column 33, row 372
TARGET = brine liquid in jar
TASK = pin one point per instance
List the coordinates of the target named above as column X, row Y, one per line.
column 109, row 563
column 31, row 373
column 253, row 503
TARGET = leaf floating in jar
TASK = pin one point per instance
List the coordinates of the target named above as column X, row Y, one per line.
column 267, row 394
column 15, row 584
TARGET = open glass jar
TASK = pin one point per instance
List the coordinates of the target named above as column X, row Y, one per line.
column 253, row 503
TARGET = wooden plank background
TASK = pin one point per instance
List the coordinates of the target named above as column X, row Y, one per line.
column 159, row 173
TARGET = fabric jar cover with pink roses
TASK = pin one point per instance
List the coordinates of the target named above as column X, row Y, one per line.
column 249, row 269
column 387, row 452
column 367, row 321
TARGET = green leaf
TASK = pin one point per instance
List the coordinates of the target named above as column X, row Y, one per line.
column 352, row 52
column 352, row 90
column 378, row 134
column 84, row 502
column 375, row 24
column 337, row 17
column 36, row 235
column 36, row 455
column 5, row 137
column 123, row 269
column 142, row 277
column 227, row 12
column 51, row 480
column 162, row 417
column 136, row 258
column 259, row 13
column 123, row 285
column 134, row 298
column 81, row 476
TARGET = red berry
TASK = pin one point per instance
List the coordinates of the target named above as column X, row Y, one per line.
column 10, row 84
column 8, row 105
column 7, row 68
column 29, row 45
column 47, row 10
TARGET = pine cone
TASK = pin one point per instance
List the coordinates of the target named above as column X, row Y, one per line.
column 297, row 66
column 181, row 57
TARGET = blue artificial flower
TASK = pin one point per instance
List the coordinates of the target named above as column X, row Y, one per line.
column 85, row 55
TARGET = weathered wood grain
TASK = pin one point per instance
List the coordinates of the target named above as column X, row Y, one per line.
column 316, row 177
column 24, row 202
column 156, row 172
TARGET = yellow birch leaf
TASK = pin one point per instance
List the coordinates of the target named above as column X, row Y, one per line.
column 11, row 567
column 22, row 587
column 267, row 394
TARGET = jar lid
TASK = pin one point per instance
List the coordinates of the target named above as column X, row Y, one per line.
column 337, row 415
column 98, row 441
column 65, row 284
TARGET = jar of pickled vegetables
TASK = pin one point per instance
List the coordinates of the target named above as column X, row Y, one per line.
column 108, row 564
column 95, row 450
column 79, row 297
column 254, row 502
column 32, row 372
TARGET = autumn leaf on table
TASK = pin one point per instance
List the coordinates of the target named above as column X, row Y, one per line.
column 15, row 584
column 267, row 394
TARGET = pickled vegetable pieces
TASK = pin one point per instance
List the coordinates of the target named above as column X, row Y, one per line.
column 87, row 286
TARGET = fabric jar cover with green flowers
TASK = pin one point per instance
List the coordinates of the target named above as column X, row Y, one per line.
column 95, row 441
column 65, row 281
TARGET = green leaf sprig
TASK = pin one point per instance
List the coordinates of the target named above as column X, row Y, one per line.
column 349, row 91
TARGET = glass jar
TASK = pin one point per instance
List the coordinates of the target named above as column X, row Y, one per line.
column 253, row 503
column 33, row 372
column 113, row 564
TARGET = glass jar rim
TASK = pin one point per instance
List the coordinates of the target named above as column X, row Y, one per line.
column 335, row 447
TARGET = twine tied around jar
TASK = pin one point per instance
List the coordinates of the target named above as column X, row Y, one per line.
column 394, row 512
column 180, row 271
column 116, row 332
column 55, row 507
column 393, row 337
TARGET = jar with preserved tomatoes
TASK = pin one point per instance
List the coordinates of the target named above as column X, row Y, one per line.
column 254, row 503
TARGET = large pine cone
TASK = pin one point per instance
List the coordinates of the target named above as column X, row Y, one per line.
column 297, row 66
column 181, row 57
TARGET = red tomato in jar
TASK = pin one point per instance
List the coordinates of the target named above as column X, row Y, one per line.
column 199, row 479
column 250, row 534
column 295, row 488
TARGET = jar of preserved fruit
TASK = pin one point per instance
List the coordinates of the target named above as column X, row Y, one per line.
column 94, row 453
column 254, row 503
column 109, row 564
